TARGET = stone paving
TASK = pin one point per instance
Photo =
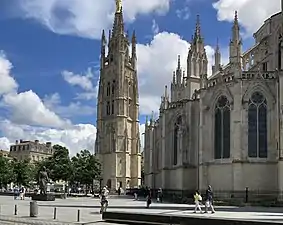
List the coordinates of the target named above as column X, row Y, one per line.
column 89, row 211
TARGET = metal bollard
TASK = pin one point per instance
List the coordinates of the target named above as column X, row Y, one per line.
column 16, row 210
column 78, row 216
column 33, row 209
column 55, row 213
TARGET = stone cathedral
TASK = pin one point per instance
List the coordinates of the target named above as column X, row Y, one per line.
column 118, row 140
column 224, row 130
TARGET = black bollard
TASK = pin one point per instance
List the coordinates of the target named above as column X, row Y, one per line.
column 247, row 195
column 78, row 216
column 16, row 210
column 55, row 213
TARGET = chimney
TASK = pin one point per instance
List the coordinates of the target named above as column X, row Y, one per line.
column 21, row 140
column 48, row 144
column 36, row 141
column 17, row 142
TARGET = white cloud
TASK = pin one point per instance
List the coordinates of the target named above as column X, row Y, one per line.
column 183, row 13
column 142, row 130
column 28, row 108
column 7, row 82
column 75, row 138
column 83, row 81
column 31, row 119
column 154, row 27
column 161, row 54
column 250, row 19
column 53, row 102
column 84, row 18
column 4, row 143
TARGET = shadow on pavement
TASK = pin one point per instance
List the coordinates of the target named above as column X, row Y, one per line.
column 178, row 208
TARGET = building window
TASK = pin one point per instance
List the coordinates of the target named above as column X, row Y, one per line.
column 264, row 66
column 257, row 126
column 113, row 87
column 108, row 89
column 177, row 139
column 108, row 108
column 222, row 129
column 112, row 108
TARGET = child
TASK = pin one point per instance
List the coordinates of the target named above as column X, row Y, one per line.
column 198, row 199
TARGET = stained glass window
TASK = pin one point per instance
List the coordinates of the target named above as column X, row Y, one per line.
column 176, row 141
column 257, row 126
column 222, row 129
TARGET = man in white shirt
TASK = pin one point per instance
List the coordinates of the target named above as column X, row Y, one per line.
column 104, row 199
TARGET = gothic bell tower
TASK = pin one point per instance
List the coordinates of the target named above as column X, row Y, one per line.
column 118, row 140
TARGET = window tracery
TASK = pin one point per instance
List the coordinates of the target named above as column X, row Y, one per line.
column 177, row 139
column 222, row 124
column 257, row 126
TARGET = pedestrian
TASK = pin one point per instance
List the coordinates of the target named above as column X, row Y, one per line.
column 198, row 199
column 209, row 199
column 148, row 198
column 136, row 195
column 159, row 195
column 15, row 193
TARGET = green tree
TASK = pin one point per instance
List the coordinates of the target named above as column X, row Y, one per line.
column 6, row 171
column 60, row 165
column 22, row 172
column 86, row 168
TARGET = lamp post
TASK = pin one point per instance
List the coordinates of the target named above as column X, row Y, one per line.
column 100, row 184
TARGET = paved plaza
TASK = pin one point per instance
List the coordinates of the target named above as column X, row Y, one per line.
column 67, row 211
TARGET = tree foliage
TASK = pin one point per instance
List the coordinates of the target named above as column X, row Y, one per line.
column 6, row 171
column 86, row 168
column 23, row 171
column 60, row 165
column 82, row 168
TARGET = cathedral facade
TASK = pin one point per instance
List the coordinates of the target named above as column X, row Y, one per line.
column 117, row 143
column 224, row 130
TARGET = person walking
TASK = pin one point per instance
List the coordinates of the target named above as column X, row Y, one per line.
column 198, row 199
column 104, row 199
column 148, row 197
column 159, row 195
column 209, row 199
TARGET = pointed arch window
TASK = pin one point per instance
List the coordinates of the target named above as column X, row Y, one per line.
column 108, row 108
column 108, row 89
column 177, row 139
column 113, row 107
column 222, row 128
column 257, row 126
column 113, row 87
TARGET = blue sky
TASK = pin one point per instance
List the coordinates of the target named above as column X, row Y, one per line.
column 45, row 39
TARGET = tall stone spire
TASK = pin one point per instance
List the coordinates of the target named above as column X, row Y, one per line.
column 179, row 71
column 217, row 58
column 236, row 29
column 235, row 43
column 102, row 49
column 118, row 27
column 118, row 139
column 196, row 54
column 196, row 61
column 197, row 31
